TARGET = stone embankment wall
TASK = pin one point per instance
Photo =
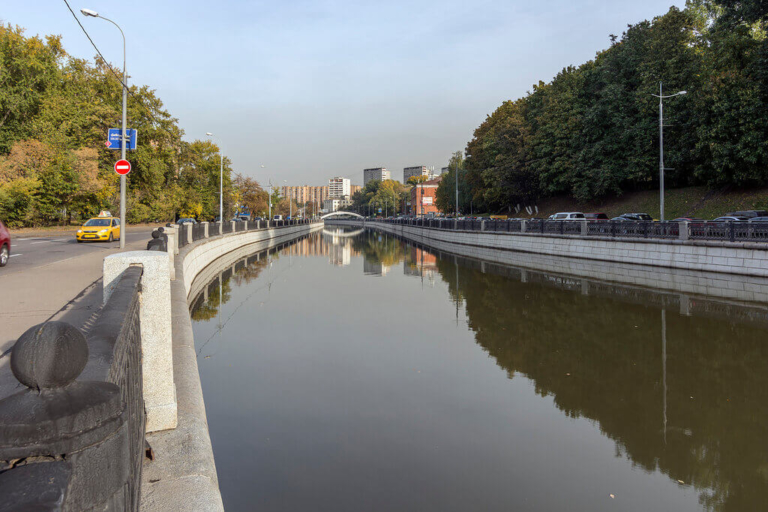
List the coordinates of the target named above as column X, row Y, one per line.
column 612, row 264
column 183, row 475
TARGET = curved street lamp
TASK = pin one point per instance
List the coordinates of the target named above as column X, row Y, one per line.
column 661, row 145
column 123, row 181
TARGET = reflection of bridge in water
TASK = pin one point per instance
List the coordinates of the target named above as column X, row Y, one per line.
column 343, row 234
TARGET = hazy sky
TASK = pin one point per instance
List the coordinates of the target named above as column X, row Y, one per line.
column 314, row 89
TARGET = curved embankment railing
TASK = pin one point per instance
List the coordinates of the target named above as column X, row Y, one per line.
column 748, row 255
column 91, row 412
column 555, row 256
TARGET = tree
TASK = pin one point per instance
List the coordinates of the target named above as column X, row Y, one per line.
column 251, row 196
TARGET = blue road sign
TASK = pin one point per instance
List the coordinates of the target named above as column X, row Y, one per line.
column 379, row 210
column 114, row 138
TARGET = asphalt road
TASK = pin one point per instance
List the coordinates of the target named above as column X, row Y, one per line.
column 54, row 278
column 30, row 252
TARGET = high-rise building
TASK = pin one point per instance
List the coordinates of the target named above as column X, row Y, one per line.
column 338, row 187
column 409, row 172
column 443, row 170
column 353, row 189
column 375, row 173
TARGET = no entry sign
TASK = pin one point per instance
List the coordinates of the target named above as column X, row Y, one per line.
column 122, row 167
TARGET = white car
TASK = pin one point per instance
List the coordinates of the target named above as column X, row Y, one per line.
column 567, row 216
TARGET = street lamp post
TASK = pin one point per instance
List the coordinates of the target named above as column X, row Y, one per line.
column 221, row 181
column 124, row 139
column 661, row 145
column 457, row 189
column 290, row 204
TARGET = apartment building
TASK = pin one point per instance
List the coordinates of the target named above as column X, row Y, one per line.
column 339, row 187
column 375, row 173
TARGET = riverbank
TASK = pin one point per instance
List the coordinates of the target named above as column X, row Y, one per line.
column 619, row 261
column 183, row 475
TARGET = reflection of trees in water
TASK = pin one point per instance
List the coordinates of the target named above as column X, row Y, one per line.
column 601, row 359
column 245, row 272
column 388, row 251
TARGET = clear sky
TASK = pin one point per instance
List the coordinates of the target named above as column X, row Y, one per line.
column 314, row 89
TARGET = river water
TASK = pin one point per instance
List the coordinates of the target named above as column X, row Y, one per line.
column 362, row 373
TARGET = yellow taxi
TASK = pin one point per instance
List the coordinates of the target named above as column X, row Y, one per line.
column 101, row 228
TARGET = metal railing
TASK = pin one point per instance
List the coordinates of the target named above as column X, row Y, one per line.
column 198, row 231
column 227, row 227
column 742, row 231
column 73, row 437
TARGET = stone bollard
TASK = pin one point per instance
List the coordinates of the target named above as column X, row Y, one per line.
column 158, row 242
column 188, row 229
column 683, row 233
column 584, row 227
column 523, row 226
column 156, row 336
column 482, row 225
column 205, row 229
column 245, row 228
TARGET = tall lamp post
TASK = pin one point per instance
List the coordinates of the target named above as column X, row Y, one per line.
column 457, row 189
column 661, row 144
column 290, row 204
column 124, row 139
column 221, row 180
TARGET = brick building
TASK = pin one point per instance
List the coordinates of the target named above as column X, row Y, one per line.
column 423, row 197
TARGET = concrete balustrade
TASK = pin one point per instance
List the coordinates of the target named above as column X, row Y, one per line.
column 156, row 334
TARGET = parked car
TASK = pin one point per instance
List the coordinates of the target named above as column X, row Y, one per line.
column 637, row 216
column 105, row 229
column 730, row 218
column 748, row 214
column 5, row 245
column 759, row 219
column 186, row 220
column 595, row 216
column 687, row 219
column 567, row 216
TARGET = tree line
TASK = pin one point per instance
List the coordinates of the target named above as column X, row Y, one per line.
column 55, row 111
column 593, row 130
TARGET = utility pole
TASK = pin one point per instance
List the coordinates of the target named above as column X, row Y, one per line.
column 124, row 137
column 661, row 145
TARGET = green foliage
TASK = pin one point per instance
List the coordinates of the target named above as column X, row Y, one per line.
column 55, row 111
column 592, row 131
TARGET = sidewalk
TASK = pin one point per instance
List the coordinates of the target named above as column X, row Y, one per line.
column 68, row 289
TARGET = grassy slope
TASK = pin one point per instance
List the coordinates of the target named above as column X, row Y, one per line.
column 682, row 202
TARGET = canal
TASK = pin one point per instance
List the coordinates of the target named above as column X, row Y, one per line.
column 366, row 373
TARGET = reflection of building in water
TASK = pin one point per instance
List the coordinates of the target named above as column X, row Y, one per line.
column 341, row 253
column 375, row 268
column 420, row 263
column 338, row 249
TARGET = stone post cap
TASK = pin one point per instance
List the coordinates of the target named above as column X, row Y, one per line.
column 49, row 355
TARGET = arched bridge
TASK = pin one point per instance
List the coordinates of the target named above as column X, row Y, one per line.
column 339, row 214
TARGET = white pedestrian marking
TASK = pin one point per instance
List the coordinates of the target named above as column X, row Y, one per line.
column 14, row 255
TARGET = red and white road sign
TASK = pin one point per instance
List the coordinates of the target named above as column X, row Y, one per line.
column 122, row 167
column 107, row 143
